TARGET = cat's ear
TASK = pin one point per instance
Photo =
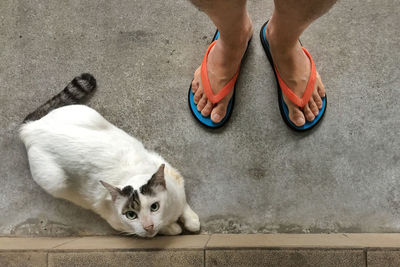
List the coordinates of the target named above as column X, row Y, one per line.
column 158, row 179
column 114, row 191
column 156, row 182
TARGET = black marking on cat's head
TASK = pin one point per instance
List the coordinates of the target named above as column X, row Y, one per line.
column 127, row 191
column 133, row 202
column 156, row 181
column 133, row 197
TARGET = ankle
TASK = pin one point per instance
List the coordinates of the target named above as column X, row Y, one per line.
column 278, row 44
column 281, row 41
column 238, row 35
column 231, row 52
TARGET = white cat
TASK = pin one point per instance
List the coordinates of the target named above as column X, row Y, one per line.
column 75, row 154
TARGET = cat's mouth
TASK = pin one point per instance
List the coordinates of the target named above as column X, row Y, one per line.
column 151, row 234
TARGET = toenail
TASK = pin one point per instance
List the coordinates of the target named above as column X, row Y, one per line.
column 216, row 117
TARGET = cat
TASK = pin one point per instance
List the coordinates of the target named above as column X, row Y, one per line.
column 76, row 154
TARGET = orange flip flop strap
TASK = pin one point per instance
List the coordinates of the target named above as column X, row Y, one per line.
column 206, row 83
column 300, row 102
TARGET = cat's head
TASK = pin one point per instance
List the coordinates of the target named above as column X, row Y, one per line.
column 141, row 210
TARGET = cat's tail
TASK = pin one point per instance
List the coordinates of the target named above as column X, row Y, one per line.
column 73, row 93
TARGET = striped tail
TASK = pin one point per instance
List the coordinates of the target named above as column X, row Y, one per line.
column 73, row 93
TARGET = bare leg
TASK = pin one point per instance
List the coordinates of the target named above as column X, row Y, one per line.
column 235, row 27
column 290, row 18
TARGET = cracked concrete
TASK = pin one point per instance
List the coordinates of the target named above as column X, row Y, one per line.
column 255, row 175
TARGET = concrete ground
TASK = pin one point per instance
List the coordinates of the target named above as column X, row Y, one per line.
column 255, row 175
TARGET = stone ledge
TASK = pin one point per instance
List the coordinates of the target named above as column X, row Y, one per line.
column 209, row 242
column 184, row 242
column 310, row 241
column 205, row 250
column 178, row 258
column 285, row 257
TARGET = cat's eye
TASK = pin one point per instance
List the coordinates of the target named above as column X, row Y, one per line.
column 155, row 206
column 131, row 215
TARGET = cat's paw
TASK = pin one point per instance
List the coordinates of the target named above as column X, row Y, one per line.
column 172, row 229
column 192, row 222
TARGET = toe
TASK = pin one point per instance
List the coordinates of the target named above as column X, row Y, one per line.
column 321, row 87
column 195, row 86
column 219, row 111
column 317, row 99
column 207, row 109
column 296, row 116
column 198, row 95
column 313, row 106
column 308, row 113
column 196, row 80
column 202, row 103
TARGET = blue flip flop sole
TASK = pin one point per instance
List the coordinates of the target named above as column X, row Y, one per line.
column 282, row 105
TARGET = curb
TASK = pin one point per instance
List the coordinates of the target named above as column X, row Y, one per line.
column 204, row 250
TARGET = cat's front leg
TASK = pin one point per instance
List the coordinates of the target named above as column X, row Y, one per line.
column 190, row 219
column 172, row 229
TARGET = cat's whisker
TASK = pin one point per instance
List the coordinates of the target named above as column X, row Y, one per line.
column 126, row 233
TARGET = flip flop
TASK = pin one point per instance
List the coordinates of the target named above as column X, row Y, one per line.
column 214, row 98
column 283, row 88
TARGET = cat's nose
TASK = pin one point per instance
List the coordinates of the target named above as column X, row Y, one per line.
column 149, row 228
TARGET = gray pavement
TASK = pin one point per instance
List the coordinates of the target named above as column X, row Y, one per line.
column 255, row 175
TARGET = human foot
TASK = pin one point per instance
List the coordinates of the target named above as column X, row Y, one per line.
column 222, row 64
column 294, row 68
